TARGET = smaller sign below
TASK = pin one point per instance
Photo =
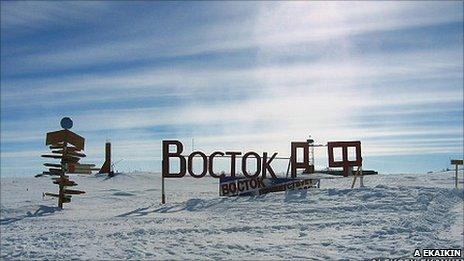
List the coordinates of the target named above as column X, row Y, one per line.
column 80, row 168
column 66, row 183
column 72, row 191
column 69, row 152
column 456, row 162
column 52, row 165
column 51, row 194
column 48, row 173
column 243, row 186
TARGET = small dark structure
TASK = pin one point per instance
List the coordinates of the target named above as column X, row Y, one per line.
column 106, row 167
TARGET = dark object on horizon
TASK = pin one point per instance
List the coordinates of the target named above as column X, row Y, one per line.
column 107, row 166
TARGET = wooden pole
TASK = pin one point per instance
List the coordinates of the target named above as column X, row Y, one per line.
column 62, row 174
column 354, row 178
column 356, row 174
column 361, row 179
column 163, row 197
column 288, row 167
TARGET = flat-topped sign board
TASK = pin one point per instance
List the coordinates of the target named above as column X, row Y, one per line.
column 67, row 136
column 457, row 162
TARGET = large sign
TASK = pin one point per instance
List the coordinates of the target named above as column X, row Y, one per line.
column 263, row 161
column 262, row 178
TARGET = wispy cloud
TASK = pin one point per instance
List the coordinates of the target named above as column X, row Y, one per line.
column 32, row 15
column 275, row 26
column 244, row 76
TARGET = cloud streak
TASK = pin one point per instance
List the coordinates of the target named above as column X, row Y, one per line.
column 248, row 76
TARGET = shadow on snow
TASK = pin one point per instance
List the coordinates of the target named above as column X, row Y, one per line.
column 40, row 212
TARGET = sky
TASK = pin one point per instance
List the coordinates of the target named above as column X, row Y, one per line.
column 233, row 76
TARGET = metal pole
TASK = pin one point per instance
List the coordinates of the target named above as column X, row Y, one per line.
column 163, row 197
column 354, row 177
column 312, row 157
column 456, row 180
column 361, row 178
column 288, row 167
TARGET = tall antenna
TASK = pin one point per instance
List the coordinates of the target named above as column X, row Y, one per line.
column 311, row 147
column 193, row 144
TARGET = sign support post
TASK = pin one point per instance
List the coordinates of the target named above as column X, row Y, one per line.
column 163, row 197
column 63, row 174
column 456, row 163
column 456, row 176
column 355, row 175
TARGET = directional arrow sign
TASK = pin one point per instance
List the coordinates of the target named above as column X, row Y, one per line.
column 55, row 171
column 69, row 153
column 81, row 171
column 51, row 194
column 59, row 178
column 72, row 191
column 52, row 165
column 50, row 173
column 66, row 183
column 76, row 154
column 80, row 168
column 56, row 146
column 52, row 156
column 56, row 195
column 70, row 159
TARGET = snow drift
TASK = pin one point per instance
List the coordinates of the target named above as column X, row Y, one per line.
column 121, row 218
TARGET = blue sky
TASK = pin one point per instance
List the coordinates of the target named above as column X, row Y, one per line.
column 235, row 76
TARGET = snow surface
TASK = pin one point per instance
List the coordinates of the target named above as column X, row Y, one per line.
column 121, row 218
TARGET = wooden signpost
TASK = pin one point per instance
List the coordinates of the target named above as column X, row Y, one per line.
column 66, row 146
column 456, row 163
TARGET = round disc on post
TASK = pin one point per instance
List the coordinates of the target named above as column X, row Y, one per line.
column 66, row 123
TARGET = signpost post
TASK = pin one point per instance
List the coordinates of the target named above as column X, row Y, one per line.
column 456, row 163
column 68, row 145
column 163, row 197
